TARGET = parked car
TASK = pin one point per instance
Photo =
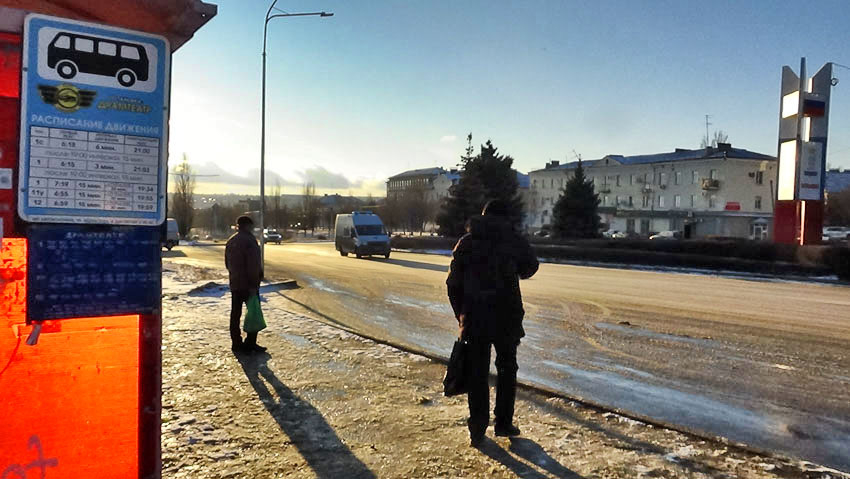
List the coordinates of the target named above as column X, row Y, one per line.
column 170, row 238
column 272, row 236
column 541, row 234
column 624, row 235
column 609, row 233
column 836, row 233
column 667, row 235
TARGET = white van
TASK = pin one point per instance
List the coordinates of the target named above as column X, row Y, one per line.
column 171, row 238
column 361, row 233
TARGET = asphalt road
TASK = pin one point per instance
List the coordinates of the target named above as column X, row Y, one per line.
column 758, row 362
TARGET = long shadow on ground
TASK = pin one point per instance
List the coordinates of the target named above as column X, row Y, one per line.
column 303, row 424
column 531, row 452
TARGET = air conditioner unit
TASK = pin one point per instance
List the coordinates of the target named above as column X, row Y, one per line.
column 662, row 186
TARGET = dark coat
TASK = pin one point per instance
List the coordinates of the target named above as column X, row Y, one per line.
column 242, row 259
column 483, row 283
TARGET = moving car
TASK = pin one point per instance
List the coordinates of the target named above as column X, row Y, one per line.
column 170, row 237
column 361, row 233
column 272, row 236
column 667, row 235
column 836, row 233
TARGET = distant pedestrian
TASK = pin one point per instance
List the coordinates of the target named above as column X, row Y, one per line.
column 483, row 287
column 242, row 259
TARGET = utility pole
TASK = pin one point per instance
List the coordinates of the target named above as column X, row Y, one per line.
column 707, row 138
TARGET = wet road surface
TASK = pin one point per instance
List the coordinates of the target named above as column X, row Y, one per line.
column 764, row 363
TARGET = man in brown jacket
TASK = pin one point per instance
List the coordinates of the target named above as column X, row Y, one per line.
column 242, row 259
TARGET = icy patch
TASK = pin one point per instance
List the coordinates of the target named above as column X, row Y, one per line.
column 441, row 252
column 418, row 304
column 636, row 331
column 681, row 453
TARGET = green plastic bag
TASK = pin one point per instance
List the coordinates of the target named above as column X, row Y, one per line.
column 254, row 321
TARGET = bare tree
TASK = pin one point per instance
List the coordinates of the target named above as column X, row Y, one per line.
column 183, row 200
column 309, row 208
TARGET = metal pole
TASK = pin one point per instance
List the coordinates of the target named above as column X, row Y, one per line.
column 269, row 16
column 263, row 144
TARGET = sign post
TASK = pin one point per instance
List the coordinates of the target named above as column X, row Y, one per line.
column 803, row 128
column 93, row 124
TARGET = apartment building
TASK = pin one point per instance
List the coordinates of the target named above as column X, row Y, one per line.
column 722, row 191
column 434, row 181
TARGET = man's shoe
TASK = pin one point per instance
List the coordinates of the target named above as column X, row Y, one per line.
column 256, row 348
column 476, row 439
column 507, row 430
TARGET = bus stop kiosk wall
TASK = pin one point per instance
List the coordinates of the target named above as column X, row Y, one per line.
column 83, row 153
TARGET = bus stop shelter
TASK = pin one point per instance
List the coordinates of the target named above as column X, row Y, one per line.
column 80, row 398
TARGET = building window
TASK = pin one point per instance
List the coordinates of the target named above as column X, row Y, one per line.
column 758, row 202
column 678, row 179
column 552, row 183
column 694, row 177
column 617, row 200
column 677, row 201
column 534, row 184
column 645, row 201
column 759, row 177
column 662, row 179
column 630, row 225
column 644, row 226
column 618, row 180
column 713, row 174
column 712, row 201
column 693, row 201
column 661, row 201
column 631, row 179
column 631, row 201
column 647, row 178
column 605, row 200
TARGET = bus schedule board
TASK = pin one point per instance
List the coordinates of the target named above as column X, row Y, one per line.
column 94, row 127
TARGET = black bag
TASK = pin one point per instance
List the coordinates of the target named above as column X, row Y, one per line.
column 455, row 381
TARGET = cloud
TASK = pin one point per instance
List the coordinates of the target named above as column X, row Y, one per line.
column 448, row 139
column 324, row 178
column 212, row 173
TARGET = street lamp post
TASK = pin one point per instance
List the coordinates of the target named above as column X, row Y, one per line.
column 269, row 17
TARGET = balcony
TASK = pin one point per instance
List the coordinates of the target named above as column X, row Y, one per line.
column 710, row 184
column 605, row 189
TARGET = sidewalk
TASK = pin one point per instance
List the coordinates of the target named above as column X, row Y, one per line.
column 324, row 403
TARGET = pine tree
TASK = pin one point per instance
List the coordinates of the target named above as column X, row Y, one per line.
column 484, row 177
column 574, row 214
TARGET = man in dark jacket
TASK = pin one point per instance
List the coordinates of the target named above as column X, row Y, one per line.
column 242, row 259
column 483, row 287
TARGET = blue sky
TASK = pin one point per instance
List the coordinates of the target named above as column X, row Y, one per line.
column 385, row 86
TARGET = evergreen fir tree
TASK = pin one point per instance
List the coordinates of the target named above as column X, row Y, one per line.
column 574, row 214
column 483, row 177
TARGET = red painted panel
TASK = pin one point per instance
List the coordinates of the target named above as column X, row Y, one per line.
column 785, row 221
column 69, row 405
column 811, row 222
column 10, row 81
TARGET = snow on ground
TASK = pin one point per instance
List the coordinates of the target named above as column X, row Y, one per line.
column 327, row 403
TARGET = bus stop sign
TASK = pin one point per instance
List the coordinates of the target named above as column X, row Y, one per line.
column 94, row 127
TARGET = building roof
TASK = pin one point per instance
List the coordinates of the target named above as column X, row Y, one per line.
column 681, row 154
column 435, row 171
column 523, row 180
column 177, row 20
column 837, row 180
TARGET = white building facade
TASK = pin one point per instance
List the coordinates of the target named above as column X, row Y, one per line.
column 434, row 182
column 711, row 192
